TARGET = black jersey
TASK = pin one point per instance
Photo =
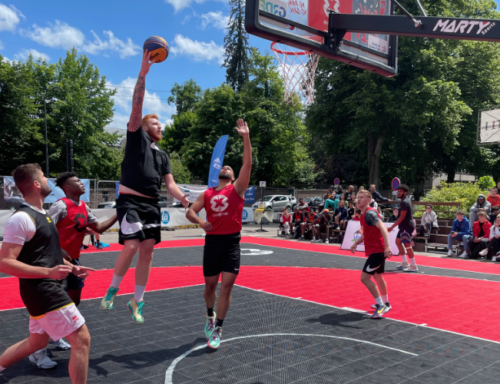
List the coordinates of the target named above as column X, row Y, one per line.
column 43, row 250
column 144, row 164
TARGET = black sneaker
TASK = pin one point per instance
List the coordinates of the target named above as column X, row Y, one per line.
column 379, row 311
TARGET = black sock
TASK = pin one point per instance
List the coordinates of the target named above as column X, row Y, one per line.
column 210, row 312
column 218, row 322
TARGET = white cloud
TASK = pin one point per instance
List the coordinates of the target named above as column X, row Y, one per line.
column 198, row 51
column 179, row 4
column 24, row 54
column 58, row 35
column 217, row 19
column 9, row 17
column 123, row 48
column 62, row 35
column 123, row 103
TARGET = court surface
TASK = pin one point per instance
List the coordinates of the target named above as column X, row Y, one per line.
column 297, row 316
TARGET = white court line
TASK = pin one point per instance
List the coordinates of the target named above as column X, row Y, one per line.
column 170, row 371
column 387, row 318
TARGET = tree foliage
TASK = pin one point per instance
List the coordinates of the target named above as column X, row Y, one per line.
column 420, row 122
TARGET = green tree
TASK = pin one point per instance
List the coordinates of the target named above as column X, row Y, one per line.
column 236, row 58
column 180, row 172
column 185, row 96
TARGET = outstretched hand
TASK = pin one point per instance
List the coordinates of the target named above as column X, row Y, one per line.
column 242, row 127
column 146, row 63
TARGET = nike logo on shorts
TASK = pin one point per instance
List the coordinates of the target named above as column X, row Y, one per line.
column 368, row 269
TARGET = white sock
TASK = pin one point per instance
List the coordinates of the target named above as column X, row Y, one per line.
column 115, row 283
column 405, row 260
column 412, row 261
column 379, row 301
column 385, row 298
column 1, row 368
column 139, row 293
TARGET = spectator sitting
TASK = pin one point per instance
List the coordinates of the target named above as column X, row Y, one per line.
column 340, row 192
column 324, row 226
column 303, row 206
column 494, row 243
column 394, row 216
column 373, row 204
column 298, row 219
column 348, row 195
column 350, row 210
column 353, row 196
column 493, row 198
column 309, row 221
column 481, row 235
column 285, row 222
column 328, row 194
column 460, row 232
column 376, row 195
column 357, row 215
column 340, row 215
column 494, row 213
column 333, row 202
column 429, row 221
column 481, row 203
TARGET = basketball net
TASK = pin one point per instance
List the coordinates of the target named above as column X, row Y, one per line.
column 299, row 69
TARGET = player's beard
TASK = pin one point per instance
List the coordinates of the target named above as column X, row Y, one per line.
column 154, row 135
column 224, row 176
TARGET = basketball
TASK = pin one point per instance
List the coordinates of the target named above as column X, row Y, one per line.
column 158, row 48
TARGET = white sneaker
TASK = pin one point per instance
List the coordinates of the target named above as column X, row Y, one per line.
column 41, row 360
column 450, row 253
column 313, row 239
column 61, row 344
column 403, row 266
column 484, row 252
column 301, row 237
column 411, row 268
column 494, row 258
column 327, row 241
column 464, row 255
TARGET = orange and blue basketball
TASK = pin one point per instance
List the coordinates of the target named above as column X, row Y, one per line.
column 158, row 48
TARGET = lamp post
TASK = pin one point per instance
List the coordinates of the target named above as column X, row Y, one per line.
column 55, row 88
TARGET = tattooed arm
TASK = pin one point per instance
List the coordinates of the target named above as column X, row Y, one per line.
column 136, row 116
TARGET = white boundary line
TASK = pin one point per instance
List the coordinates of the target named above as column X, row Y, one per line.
column 399, row 321
column 170, row 371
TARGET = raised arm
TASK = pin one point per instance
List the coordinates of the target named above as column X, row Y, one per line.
column 136, row 116
column 241, row 184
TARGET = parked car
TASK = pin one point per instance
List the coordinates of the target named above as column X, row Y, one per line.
column 163, row 202
column 314, row 201
column 276, row 202
column 107, row 205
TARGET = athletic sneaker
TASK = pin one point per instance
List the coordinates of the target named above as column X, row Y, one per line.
column 327, row 241
column 494, row 258
column 450, row 253
column 135, row 309
column 464, row 255
column 484, row 252
column 214, row 340
column 387, row 308
column 107, row 300
column 379, row 311
column 99, row 245
column 386, row 304
column 61, row 344
column 41, row 360
column 411, row 268
column 403, row 266
column 301, row 237
column 209, row 326
column 313, row 239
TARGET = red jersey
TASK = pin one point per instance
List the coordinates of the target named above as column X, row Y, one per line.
column 373, row 239
column 286, row 219
column 224, row 210
column 72, row 228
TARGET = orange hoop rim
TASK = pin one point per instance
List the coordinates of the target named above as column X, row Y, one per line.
column 290, row 53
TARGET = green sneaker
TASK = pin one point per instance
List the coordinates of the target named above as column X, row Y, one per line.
column 107, row 300
column 135, row 309
column 209, row 326
column 214, row 340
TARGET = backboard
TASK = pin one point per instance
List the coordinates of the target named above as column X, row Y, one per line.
column 306, row 28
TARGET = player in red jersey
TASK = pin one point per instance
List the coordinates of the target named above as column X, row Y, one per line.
column 221, row 255
column 377, row 248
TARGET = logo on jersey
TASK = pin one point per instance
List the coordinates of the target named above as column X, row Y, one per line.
column 80, row 222
column 219, row 203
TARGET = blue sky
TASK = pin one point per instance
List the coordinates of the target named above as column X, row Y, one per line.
column 111, row 33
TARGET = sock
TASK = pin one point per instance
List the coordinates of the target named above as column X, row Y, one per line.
column 412, row 261
column 379, row 301
column 1, row 368
column 405, row 260
column 218, row 322
column 115, row 282
column 210, row 312
column 385, row 298
column 139, row 292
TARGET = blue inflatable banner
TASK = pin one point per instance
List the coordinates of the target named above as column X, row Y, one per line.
column 250, row 195
column 217, row 161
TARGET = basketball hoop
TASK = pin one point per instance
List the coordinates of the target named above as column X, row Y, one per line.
column 298, row 68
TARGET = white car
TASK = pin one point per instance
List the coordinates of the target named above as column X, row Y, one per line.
column 276, row 203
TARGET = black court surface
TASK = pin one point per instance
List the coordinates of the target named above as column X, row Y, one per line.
column 267, row 337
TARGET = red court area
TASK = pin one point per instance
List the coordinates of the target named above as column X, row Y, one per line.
column 460, row 305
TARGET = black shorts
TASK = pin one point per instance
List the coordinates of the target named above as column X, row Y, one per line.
column 139, row 218
column 222, row 253
column 73, row 282
column 405, row 235
column 375, row 264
